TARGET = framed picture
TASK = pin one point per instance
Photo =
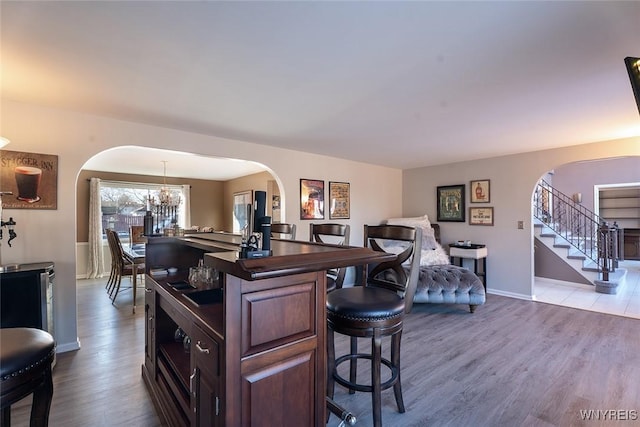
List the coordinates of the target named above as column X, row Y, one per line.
column 31, row 177
column 480, row 191
column 480, row 216
column 311, row 199
column 450, row 201
column 242, row 210
column 339, row 199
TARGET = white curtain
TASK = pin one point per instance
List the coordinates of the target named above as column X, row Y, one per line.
column 95, row 267
column 186, row 206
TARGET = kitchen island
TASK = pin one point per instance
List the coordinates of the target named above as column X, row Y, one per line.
column 251, row 351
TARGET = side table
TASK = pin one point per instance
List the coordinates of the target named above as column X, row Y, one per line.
column 473, row 251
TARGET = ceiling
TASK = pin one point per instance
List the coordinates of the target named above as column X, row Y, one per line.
column 400, row 84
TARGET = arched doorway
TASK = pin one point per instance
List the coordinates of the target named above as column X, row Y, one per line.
column 212, row 182
column 583, row 183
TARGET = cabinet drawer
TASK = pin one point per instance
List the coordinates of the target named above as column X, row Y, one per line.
column 205, row 350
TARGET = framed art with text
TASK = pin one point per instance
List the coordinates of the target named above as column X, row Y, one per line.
column 339, row 203
column 311, row 199
column 451, row 206
column 481, row 216
column 31, row 178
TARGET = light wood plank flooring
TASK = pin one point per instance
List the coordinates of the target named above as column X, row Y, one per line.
column 512, row 363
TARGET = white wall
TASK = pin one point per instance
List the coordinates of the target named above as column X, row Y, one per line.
column 50, row 235
column 513, row 178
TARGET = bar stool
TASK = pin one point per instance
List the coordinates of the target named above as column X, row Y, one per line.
column 335, row 234
column 26, row 355
column 374, row 311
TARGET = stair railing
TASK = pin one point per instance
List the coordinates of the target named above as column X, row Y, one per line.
column 582, row 228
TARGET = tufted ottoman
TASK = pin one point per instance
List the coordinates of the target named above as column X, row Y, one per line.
column 26, row 355
column 449, row 284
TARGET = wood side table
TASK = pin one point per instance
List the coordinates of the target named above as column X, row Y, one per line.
column 474, row 251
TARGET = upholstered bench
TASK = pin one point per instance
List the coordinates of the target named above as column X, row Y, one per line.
column 26, row 355
column 449, row 284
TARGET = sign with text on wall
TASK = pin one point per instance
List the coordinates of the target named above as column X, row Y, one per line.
column 31, row 177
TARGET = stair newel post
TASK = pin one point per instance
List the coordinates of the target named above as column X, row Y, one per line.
column 615, row 255
column 604, row 248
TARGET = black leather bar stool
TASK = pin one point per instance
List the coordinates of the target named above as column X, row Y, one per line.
column 374, row 311
column 26, row 355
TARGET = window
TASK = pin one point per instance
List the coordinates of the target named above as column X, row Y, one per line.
column 124, row 204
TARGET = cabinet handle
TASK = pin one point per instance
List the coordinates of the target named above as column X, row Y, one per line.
column 200, row 349
column 192, row 378
column 148, row 290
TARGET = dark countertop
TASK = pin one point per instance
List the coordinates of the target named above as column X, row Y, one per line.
column 21, row 268
column 288, row 256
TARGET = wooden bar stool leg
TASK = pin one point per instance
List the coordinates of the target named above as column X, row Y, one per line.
column 353, row 363
column 331, row 366
column 395, row 360
column 6, row 417
column 331, row 363
column 42, row 401
column 376, row 393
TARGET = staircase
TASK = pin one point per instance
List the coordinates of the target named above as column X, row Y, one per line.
column 579, row 236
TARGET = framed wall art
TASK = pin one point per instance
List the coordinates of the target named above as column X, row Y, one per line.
column 339, row 199
column 481, row 216
column 311, row 199
column 451, row 204
column 480, row 191
column 31, row 177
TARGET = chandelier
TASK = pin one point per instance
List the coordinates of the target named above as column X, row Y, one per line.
column 165, row 195
column 164, row 211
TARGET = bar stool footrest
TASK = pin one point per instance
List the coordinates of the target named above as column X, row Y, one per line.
column 363, row 387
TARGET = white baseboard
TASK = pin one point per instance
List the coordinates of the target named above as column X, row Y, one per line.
column 562, row 282
column 72, row 346
column 509, row 294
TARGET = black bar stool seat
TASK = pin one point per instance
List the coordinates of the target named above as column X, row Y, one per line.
column 26, row 356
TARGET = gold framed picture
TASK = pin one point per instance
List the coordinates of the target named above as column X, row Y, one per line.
column 480, row 191
column 339, row 199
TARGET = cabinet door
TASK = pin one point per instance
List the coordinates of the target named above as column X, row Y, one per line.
column 206, row 400
column 280, row 391
column 205, row 386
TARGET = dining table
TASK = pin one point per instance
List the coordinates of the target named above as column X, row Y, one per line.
column 135, row 254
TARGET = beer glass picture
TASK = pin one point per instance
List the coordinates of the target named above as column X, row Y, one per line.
column 31, row 177
column 28, row 181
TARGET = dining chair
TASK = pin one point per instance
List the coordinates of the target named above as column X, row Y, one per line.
column 280, row 230
column 375, row 310
column 121, row 264
column 336, row 234
column 113, row 274
column 136, row 235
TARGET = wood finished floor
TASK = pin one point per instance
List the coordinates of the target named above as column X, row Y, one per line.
column 512, row 363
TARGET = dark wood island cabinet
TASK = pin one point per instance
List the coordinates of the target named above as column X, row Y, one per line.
column 252, row 350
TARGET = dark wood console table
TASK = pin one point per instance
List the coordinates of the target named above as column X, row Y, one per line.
column 255, row 352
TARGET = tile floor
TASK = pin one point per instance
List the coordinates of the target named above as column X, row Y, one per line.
column 625, row 303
